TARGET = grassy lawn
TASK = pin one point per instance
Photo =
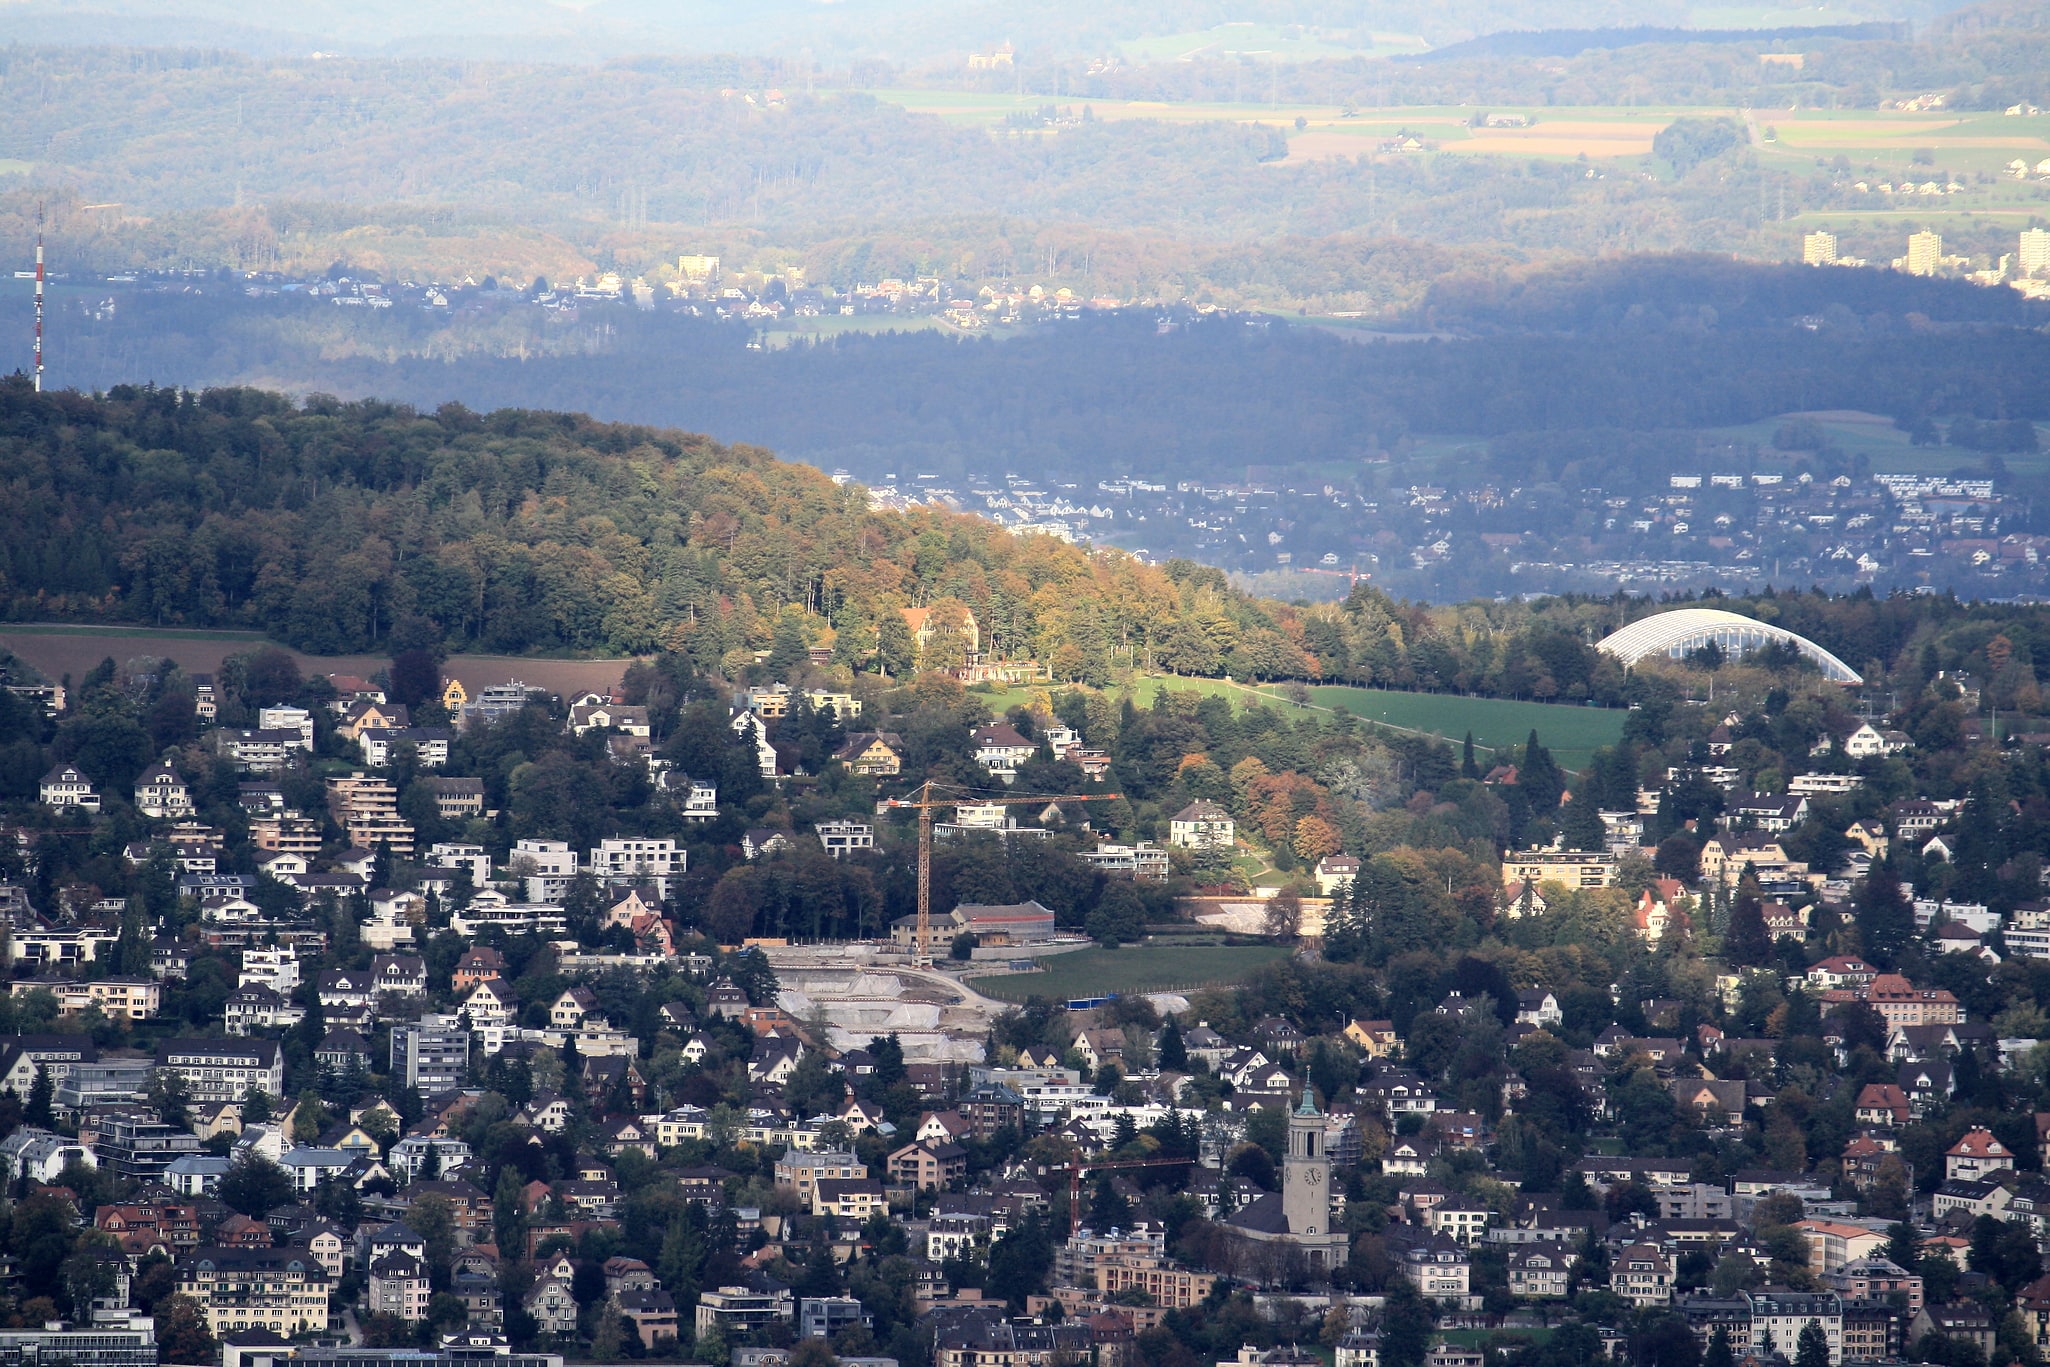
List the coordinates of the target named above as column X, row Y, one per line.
column 1571, row 733
column 1137, row 968
column 1481, row 1338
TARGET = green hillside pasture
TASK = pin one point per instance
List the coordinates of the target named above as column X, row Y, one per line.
column 1136, row 968
column 1572, row 734
column 1874, row 436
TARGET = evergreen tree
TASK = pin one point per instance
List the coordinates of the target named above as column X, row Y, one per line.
column 132, row 955
column 1467, row 767
column 1345, row 924
column 1886, row 919
column 508, row 1216
column 1019, row 1262
column 1107, row 1209
column 1539, row 777
column 1406, row 1322
column 1174, row 1055
column 1813, row 1348
column 40, row 1092
column 1748, row 942
column 889, row 1064
column 1718, row 1354
column 788, row 650
column 1580, row 825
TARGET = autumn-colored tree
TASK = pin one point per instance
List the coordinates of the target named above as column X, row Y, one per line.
column 1315, row 838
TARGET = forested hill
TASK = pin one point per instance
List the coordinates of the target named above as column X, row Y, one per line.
column 363, row 526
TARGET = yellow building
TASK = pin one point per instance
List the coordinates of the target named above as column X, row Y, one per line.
column 1571, row 868
column 1818, row 249
column 283, row 1290
column 134, row 999
column 1376, row 1038
column 1176, row 1288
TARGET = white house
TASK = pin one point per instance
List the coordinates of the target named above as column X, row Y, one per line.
column 64, row 786
column 1335, row 871
column 1202, row 826
column 307, row 1167
column 1000, row 750
column 41, row 1155
column 609, row 716
column 159, row 792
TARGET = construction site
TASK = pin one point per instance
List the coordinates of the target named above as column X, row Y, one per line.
column 861, row 991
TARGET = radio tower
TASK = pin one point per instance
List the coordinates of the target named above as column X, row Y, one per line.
column 39, row 299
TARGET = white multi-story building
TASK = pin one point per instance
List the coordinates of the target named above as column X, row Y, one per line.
column 844, row 837
column 636, row 859
column 457, row 856
column 548, row 867
column 277, row 969
column 297, row 720
column 430, row 744
column 224, row 1069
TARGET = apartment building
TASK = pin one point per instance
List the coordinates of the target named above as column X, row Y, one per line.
column 367, row 810
column 432, row 1053
column 224, row 1069
column 131, row 999
column 283, row 1290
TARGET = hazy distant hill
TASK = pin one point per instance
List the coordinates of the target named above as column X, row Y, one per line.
column 908, row 32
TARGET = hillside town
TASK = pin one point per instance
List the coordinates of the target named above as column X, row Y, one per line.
column 433, row 1018
column 1735, row 517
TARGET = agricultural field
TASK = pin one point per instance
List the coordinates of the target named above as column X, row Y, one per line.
column 1887, row 140
column 1135, row 968
column 58, row 651
column 1890, row 140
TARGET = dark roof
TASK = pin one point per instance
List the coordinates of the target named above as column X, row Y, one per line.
column 1264, row 1215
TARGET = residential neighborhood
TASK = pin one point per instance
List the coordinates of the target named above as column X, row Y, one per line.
column 614, row 1026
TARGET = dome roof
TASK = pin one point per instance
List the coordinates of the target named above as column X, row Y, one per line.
column 1675, row 634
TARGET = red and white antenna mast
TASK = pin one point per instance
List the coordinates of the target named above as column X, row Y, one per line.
column 39, row 299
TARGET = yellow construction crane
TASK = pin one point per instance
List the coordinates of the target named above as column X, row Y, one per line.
column 925, row 801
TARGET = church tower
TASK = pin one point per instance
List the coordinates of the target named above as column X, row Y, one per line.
column 1306, row 1175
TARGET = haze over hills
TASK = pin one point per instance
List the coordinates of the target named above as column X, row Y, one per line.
column 646, row 237
column 909, row 32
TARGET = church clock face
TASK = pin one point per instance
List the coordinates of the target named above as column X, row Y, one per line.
column 1313, row 1175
